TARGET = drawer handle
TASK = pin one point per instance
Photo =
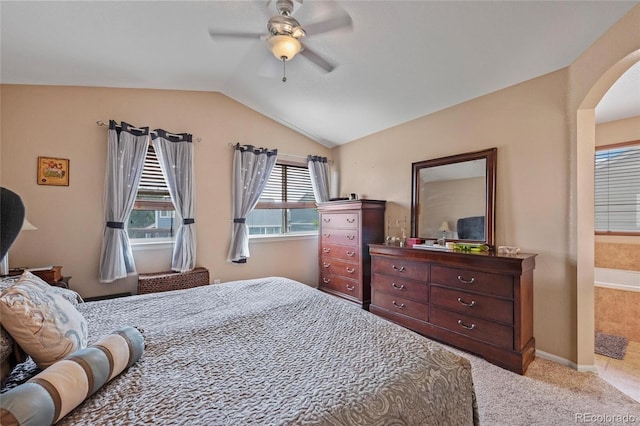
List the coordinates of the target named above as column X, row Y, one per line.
column 351, row 253
column 462, row 280
column 326, row 280
column 462, row 302
column 326, row 235
column 326, row 265
column 351, row 287
column 468, row 327
column 400, row 306
column 396, row 286
column 326, row 250
column 351, row 237
column 350, row 220
column 325, row 220
column 351, row 270
column 400, row 269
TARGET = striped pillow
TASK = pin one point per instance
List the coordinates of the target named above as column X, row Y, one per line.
column 57, row 390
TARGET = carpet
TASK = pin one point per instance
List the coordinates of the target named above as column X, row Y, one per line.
column 610, row 345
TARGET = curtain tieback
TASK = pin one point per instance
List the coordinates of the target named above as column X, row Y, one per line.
column 115, row 225
column 240, row 220
column 188, row 221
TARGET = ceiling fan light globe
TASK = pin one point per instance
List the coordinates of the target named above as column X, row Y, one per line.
column 284, row 46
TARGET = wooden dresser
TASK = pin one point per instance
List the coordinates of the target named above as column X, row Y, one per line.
column 346, row 230
column 479, row 302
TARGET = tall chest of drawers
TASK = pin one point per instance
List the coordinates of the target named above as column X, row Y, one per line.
column 479, row 302
column 346, row 230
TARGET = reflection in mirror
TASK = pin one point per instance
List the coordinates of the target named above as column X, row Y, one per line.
column 453, row 198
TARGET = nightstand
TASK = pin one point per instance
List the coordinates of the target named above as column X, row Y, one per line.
column 51, row 275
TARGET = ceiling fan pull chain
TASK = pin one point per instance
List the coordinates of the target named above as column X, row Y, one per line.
column 284, row 69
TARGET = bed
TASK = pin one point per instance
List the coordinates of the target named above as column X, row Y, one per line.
column 272, row 351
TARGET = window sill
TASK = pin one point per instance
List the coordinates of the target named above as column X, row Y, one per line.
column 282, row 237
column 142, row 245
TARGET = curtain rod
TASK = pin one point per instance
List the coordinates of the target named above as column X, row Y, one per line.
column 283, row 153
column 102, row 123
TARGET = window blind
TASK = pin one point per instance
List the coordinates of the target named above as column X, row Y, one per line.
column 617, row 189
column 152, row 181
column 288, row 187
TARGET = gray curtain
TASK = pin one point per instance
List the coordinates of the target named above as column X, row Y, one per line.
column 127, row 147
column 251, row 170
column 319, row 173
column 175, row 155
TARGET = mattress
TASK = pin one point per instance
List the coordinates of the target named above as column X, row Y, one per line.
column 272, row 351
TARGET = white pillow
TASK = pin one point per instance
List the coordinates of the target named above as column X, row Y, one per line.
column 42, row 321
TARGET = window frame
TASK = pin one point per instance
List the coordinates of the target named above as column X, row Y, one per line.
column 153, row 205
column 284, row 206
column 635, row 144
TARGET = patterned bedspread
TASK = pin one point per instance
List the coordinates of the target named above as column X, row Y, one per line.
column 272, row 351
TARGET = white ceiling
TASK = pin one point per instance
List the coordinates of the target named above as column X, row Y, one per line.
column 400, row 61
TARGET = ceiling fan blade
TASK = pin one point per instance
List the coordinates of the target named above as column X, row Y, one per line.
column 316, row 59
column 229, row 34
column 337, row 21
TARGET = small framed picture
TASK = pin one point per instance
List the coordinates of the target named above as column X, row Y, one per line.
column 53, row 171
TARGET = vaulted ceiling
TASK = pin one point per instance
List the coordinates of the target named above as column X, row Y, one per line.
column 400, row 59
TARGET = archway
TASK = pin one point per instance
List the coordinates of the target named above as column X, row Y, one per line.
column 585, row 240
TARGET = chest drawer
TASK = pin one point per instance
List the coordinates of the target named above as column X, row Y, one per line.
column 339, row 220
column 340, row 267
column 347, row 237
column 481, row 282
column 401, row 287
column 400, row 305
column 341, row 284
column 473, row 304
column 339, row 252
column 483, row 330
column 400, row 268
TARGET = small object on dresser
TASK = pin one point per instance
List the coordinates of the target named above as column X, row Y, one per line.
column 412, row 241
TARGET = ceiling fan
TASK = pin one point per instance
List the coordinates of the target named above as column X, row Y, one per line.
column 284, row 34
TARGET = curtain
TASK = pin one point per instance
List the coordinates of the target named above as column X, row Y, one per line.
column 127, row 147
column 251, row 170
column 319, row 173
column 175, row 155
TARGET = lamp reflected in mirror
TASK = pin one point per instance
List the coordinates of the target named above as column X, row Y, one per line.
column 444, row 228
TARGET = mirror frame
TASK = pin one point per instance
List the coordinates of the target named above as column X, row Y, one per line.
column 490, row 155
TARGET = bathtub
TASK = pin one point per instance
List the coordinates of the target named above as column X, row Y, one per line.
column 617, row 279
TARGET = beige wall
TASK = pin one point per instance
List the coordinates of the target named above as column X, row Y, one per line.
column 544, row 176
column 527, row 123
column 61, row 122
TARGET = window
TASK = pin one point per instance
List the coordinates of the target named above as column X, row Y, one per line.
column 287, row 205
column 153, row 214
column 617, row 189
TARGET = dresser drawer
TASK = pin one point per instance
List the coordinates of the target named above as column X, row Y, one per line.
column 472, row 304
column 400, row 305
column 339, row 252
column 341, row 284
column 340, row 267
column 347, row 237
column 481, row 282
column 401, row 287
column 339, row 220
column 400, row 268
column 483, row 330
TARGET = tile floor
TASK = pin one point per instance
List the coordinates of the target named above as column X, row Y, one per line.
column 623, row 374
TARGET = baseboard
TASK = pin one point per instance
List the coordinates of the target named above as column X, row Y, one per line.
column 566, row 362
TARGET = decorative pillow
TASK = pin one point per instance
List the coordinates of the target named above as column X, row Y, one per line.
column 54, row 392
column 71, row 296
column 44, row 323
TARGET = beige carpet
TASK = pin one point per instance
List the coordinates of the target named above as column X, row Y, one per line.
column 548, row 394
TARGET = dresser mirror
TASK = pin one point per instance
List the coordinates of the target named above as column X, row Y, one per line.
column 454, row 197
